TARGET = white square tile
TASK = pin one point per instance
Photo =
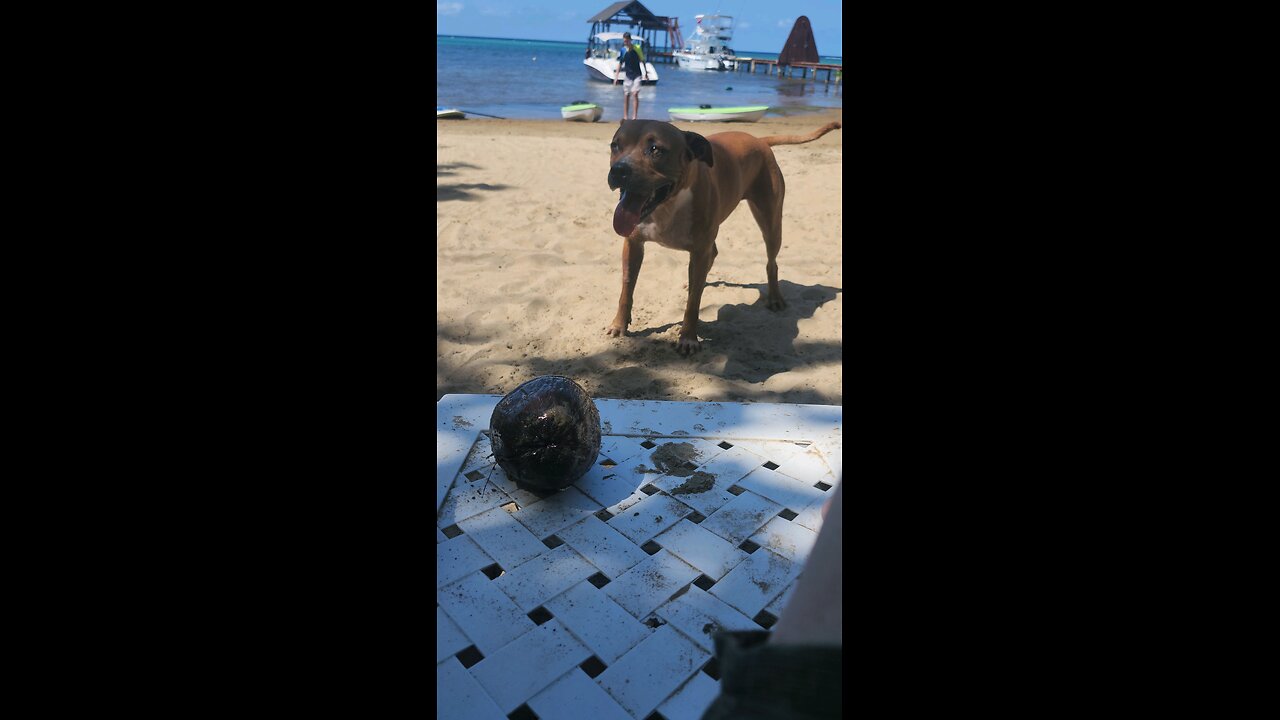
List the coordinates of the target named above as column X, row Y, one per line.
column 692, row 700
column 528, row 664
column 450, row 639
column 460, row 697
column 599, row 622
column 741, row 517
column 757, row 580
column 730, row 465
column 811, row 516
column 704, row 550
column 625, row 504
column 557, row 511
column 778, row 604
column 457, row 558
column 786, row 538
column 602, row 546
column 502, row 538
column 786, row 491
column 485, row 613
column 544, row 577
column 469, row 498
column 642, row 521
column 646, row 586
column 607, row 486
column 775, row 451
column 522, row 498
column 652, row 671
column 808, row 467
column 575, row 697
column 700, row 616
column 620, row 448
column 479, row 458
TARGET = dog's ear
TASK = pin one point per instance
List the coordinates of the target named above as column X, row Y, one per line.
column 699, row 148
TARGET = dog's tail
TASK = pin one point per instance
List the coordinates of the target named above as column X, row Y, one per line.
column 797, row 139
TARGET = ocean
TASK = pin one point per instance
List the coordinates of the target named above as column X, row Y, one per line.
column 531, row 79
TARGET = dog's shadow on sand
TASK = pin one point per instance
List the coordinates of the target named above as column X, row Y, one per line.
column 760, row 343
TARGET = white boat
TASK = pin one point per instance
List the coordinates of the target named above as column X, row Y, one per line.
column 708, row 47
column 603, row 51
column 443, row 113
column 582, row 112
column 749, row 113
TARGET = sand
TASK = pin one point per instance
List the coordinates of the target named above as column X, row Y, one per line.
column 529, row 272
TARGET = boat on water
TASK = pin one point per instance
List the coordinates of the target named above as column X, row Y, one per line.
column 582, row 112
column 603, row 52
column 443, row 113
column 708, row 47
column 748, row 113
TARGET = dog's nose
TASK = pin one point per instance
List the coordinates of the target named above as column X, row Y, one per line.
column 618, row 174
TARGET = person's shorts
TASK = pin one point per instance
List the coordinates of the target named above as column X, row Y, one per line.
column 631, row 86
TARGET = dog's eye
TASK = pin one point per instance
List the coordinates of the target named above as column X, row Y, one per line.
column 613, row 146
column 654, row 150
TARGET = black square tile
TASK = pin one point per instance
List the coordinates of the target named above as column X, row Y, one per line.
column 765, row 619
column 647, row 444
column 771, row 465
column 749, row 546
column 540, row 615
column 736, row 490
column 493, row 571
column 452, row 531
column 474, row 475
column 604, row 515
column 524, row 712
column 553, row 542
column 608, row 463
column 655, row 715
column 651, row 547
column 726, row 444
column 823, row 486
column 787, row 514
column 704, row 582
column 599, row 580
column 649, row 490
column 653, row 622
column 695, row 517
column 592, row 666
column 712, row 669
column 470, row 656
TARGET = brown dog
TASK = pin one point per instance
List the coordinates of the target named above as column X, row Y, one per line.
column 678, row 187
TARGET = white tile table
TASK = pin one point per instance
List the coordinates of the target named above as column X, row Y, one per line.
column 601, row 601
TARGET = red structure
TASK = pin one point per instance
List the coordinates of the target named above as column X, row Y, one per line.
column 800, row 47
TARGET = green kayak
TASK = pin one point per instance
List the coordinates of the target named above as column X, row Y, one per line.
column 750, row 113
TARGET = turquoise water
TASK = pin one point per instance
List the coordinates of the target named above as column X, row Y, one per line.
column 531, row 79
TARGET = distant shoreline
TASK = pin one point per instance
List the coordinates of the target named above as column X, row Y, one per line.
column 581, row 42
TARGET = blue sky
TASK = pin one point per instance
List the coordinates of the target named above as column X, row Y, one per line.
column 760, row 25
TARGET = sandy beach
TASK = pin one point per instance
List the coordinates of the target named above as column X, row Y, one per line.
column 529, row 271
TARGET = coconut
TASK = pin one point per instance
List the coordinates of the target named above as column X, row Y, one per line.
column 546, row 433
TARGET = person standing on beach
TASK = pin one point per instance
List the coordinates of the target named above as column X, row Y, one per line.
column 636, row 70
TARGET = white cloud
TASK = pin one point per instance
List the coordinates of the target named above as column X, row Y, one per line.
column 496, row 11
column 743, row 25
column 786, row 22
column 448, row 8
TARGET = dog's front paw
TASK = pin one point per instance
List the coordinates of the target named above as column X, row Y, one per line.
column 616, row 329
column 688, row 345
column 776, row 302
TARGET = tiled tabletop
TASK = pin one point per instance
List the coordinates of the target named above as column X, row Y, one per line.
column 600, row 601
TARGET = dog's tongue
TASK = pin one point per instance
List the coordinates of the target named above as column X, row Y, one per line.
column 627, row 214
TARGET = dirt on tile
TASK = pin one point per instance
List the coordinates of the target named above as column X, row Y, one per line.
column 699, row 483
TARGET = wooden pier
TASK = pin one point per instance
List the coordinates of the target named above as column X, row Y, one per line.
column 834, row 72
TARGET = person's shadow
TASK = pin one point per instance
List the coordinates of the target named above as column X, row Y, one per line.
column 772, row 345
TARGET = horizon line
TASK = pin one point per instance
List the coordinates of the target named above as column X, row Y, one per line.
column 571, row 42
